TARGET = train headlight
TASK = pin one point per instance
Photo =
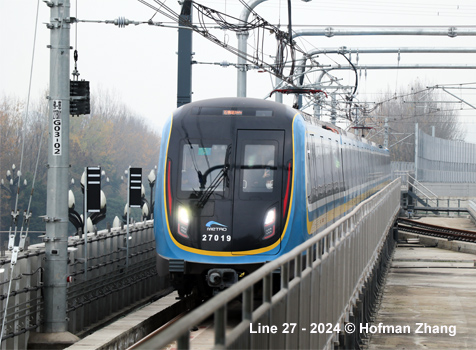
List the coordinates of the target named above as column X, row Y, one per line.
column 183, row 221
column 270, row 223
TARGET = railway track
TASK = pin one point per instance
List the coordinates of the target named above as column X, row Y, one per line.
column 126, row 330
column 450, row 234
column 202, row 335
column 143, row 343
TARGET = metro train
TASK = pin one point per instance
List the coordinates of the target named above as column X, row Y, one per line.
column 242, row 181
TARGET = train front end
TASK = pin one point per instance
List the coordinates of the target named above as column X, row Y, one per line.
column 223, row 204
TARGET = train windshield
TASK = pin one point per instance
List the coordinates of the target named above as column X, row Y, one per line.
column 201, row 164
column 259, row 168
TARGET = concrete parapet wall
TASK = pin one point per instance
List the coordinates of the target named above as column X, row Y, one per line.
column 117, row 278
column 130, row 329
column 457, row 246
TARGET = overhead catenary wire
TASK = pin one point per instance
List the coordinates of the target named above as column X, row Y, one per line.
column 224, row 22
column 257, row 58
column 12, row 237
column 27, row 213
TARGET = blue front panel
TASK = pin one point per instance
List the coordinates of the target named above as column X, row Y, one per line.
column 168, row 247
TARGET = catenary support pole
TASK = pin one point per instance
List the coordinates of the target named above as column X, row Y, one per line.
column 184, row 71
column 56, row 246
column 417, row 145
column 242, row 48
column 55, row 323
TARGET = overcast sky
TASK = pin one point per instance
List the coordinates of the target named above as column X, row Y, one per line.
column 138, row 64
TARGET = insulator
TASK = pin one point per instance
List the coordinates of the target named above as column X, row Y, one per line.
column 452, row 32
column 121, row 22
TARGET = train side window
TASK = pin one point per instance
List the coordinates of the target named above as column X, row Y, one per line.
column 368, row 166
column 320, row 166
column 315, row 169
column 350, row 167
column 355, row 172
column 336, row 167
column 311, row 163
column 259, row 167
column 340, row 155
column 327, row 158
column 308, row 171
column 360, row 165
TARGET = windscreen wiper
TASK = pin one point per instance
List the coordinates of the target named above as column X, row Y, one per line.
column 213, row 186
column 222, row 175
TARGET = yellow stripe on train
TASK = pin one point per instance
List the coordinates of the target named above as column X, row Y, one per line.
column 331, row 215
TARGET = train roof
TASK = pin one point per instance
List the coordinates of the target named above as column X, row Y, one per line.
column 239, row 102
column 249, row 103
column 331, row 127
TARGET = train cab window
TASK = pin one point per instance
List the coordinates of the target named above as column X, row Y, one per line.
column 259, row 168
column 200, row 165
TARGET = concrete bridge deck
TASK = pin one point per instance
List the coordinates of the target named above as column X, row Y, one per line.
column 429, row 298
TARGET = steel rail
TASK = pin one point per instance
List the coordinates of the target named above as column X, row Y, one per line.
column 436, row 231
column 157, row 331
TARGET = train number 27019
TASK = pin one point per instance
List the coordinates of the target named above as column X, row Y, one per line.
column 216, row 238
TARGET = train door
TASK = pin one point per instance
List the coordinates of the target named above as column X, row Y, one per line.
column 258, row 189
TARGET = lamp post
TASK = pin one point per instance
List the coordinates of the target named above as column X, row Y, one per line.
column 11, row 187
column 146, row 206
column 78, row 220
column 152, row 178
column 101, row 215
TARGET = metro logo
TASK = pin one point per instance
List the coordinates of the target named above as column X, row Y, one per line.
column 217, row 227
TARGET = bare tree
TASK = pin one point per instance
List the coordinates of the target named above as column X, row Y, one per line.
column 417, row 104
column 19, row 131
column 112, row 136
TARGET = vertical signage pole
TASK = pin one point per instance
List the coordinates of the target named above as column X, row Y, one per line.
column 128, row 215
column 134, row 198
column 85, row 226
column 92, row 204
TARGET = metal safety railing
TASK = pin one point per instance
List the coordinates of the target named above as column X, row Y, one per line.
column 21, row 285
column 321, row 282
column 108, row 288
column 429, row 201
column 110, row 284
column 472, row 210
column 429, row 196
column 405, row 177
